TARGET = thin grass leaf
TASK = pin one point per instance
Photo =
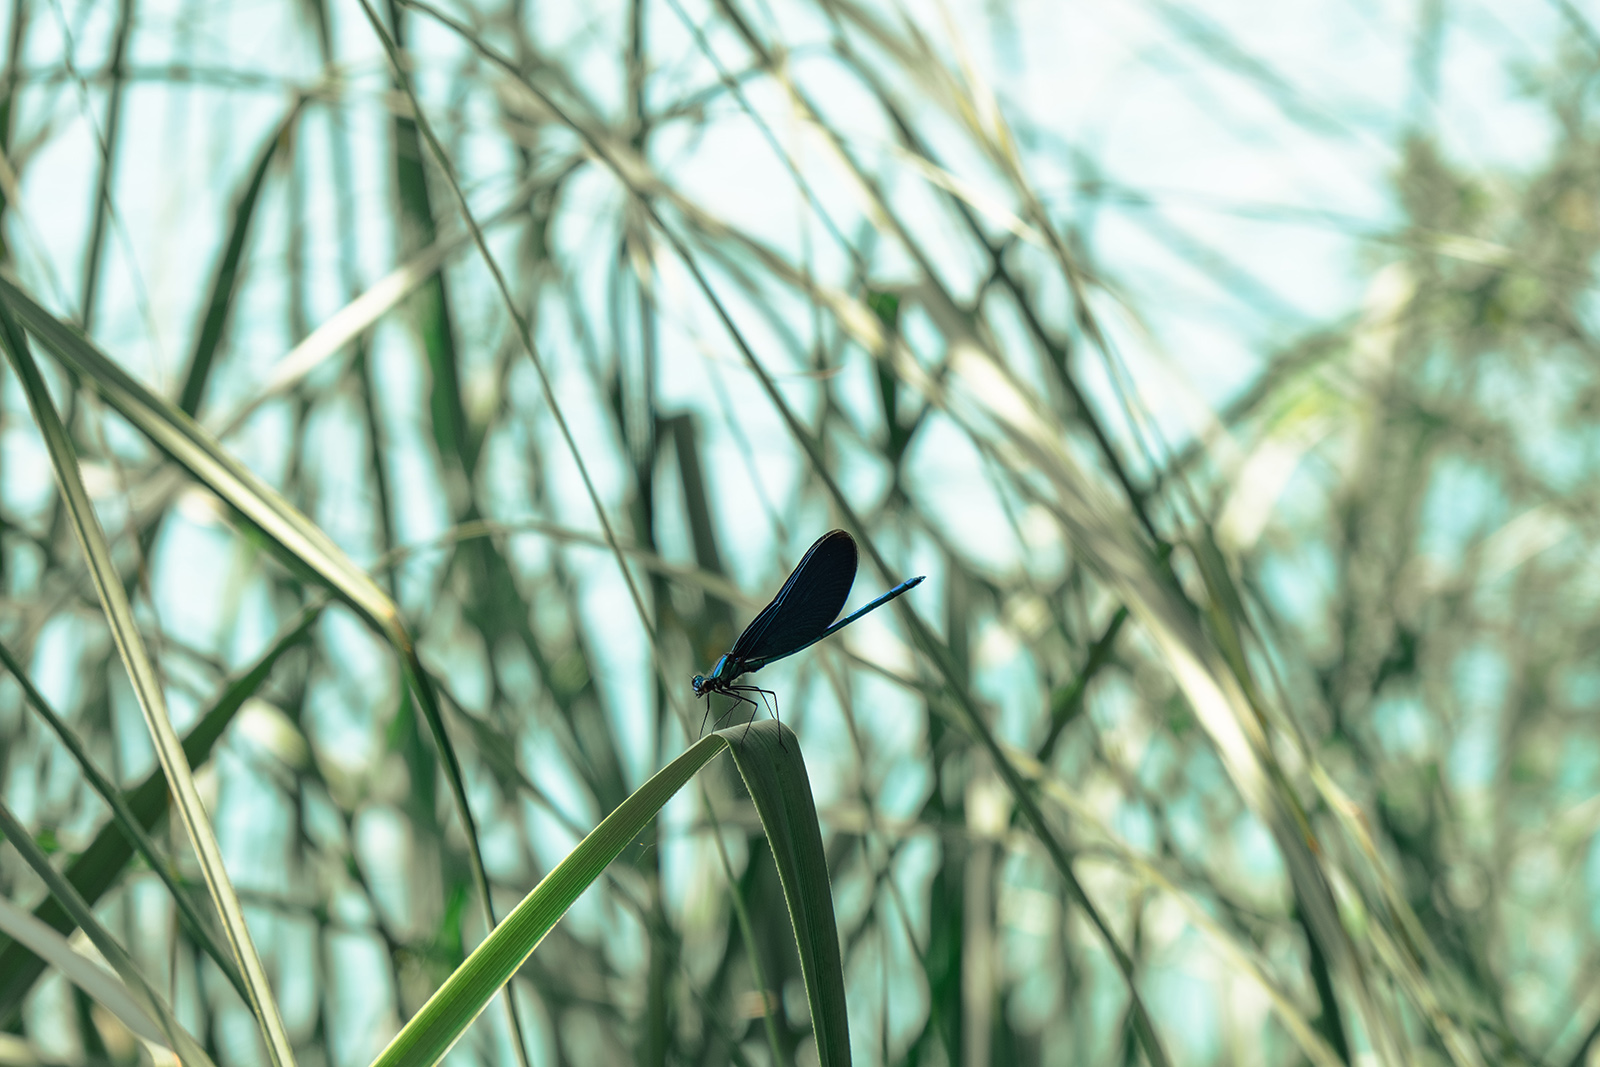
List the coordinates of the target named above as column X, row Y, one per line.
column 125, row 819
column 146, row 687
column 449, row 421
column 97, row 867
column 299, row 541
column 768, row 758
column 109, row 144
column 1247, row 959
column 101, row 985
column 430, row 1033
column 741, row 914
column 1421, row 971
column 524, row 332
column 361, row 314
column 145, row 997
column 225, row 281
column 992, row 406
column 767, row 754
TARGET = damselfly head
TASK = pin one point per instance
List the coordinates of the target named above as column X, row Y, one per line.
column 699, row 683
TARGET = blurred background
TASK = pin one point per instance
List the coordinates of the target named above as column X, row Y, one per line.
column 1230, row 370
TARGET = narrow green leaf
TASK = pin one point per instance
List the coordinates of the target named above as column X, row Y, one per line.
column 176, row 1037
column 747, row 933
column 79, row 969
column 123, row 816
column 413, row 133
column 301, row 544
column 1247, row 959
column 768, row 757
column 146, row 686
column 225, row 282
column 360, row 314
column 110, row 142
column 455, row 1004
column 296, row 537
column 97, row 867
column 1065, row 704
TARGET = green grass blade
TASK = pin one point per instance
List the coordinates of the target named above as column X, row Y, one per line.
column 144, row 995
column 49, row 945
column 298, row 539
column 994, row 407
column 361, row 314
column 300, row 543
column 146, row 686
column 747, row 933
column 225, row 282
column 97, row 867
column 455, row 1004
column 768, row 757
column 123, row 816
column 1245, row 958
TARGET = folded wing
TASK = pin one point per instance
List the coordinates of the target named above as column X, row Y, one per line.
column 808, row 602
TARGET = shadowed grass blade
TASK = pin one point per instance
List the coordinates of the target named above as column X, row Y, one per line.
column 46, row 943
column 454, row 1005
column 225, row 282
column 146, row 687
column 299, row 542
column 768, row 757
column 97, row 867
column 124, row 818
column 144, row 996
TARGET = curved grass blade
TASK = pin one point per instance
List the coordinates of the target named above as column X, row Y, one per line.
column 1247, row 960
column 225, row 282
column 525, row 333
column 299, row 542
column 741, row 915
column 768, row 757
column 360, row 314
column 111, row 993
column 146, row 687
column 97, row 867
column 173, row 1034
column 454, row 1005
column 447, row 410
column 123, row 816
column 997, row 412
